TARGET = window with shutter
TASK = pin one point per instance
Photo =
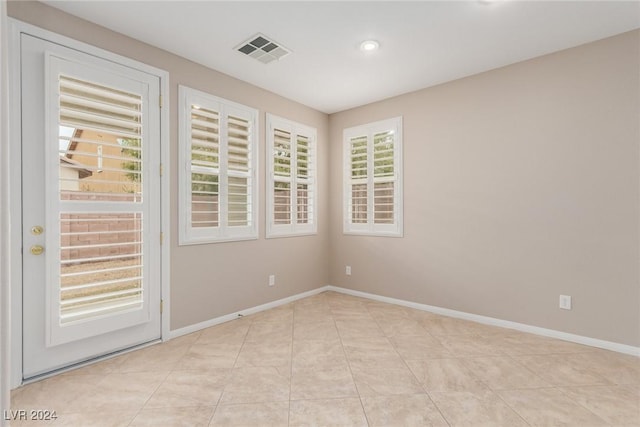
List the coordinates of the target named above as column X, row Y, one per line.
column 218, row 154
column 373, row 179
column 291, row 188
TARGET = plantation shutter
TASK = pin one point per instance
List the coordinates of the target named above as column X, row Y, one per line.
column 291, row 182
column 218, row 142
column 373, row 188
column 100, row 147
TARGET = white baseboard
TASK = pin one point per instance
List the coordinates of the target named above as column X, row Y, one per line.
column 593, row 342
column 212, row 322
column 579, row 339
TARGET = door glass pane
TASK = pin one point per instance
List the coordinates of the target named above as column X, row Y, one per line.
column 100, row 145
column 100, row 264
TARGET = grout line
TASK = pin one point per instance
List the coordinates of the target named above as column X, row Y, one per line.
column 215, row 408
column 346, row 358
column 435, row 405
column 150, row 396
column 513, row 409
column 564, row 393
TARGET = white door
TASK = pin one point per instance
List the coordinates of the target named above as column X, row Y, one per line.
column 91, row 206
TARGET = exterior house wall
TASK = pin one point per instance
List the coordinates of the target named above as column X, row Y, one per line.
column 110, row 177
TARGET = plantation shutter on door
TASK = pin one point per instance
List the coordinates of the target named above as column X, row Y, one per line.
column 98, row 199
column 100, row 249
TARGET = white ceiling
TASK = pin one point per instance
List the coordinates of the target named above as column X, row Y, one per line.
column 422, row 43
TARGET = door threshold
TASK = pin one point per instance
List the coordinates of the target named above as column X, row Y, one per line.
column 88, row 362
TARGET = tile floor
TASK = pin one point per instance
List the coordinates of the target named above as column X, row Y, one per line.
column 334, row 359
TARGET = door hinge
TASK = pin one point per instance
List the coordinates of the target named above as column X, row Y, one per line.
column 161, row 169
column 161, row 305
column 160, row 101
column 161, row 238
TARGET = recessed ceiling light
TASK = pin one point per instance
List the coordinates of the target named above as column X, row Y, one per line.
column 369, row 45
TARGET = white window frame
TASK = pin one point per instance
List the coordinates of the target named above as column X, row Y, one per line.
column 189, row 235
column 294, row 228
column 370, row 228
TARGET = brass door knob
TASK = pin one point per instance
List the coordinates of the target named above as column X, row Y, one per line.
column 37, row 250
column 37, row 230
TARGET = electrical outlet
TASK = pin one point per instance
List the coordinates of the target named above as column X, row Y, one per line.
column 272, row 279
column 347, row 270
column 565, row 302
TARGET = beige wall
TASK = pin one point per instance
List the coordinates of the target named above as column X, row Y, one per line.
column 212, row 280
column 520, row 184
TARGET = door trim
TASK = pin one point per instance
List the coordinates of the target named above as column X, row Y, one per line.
column 16, row 28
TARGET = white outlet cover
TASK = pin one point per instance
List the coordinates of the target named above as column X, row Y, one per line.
column 565, row 302
column 272, row 279
column 348, row 270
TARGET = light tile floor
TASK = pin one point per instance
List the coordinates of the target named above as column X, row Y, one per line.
column 334, row 359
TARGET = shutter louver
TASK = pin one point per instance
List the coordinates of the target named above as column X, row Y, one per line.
column 304, row 196
column 239, row 178
column 359, row 174
column 205, row 167
column 282, row 177
column 383, row 178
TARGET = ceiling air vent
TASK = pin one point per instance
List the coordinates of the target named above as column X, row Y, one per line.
column 263, row 49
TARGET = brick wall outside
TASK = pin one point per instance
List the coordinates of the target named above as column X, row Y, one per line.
column 204, row 210
column 99, row 230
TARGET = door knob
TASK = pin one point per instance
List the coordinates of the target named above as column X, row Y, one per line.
column 37, row 230
column 37, row 250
